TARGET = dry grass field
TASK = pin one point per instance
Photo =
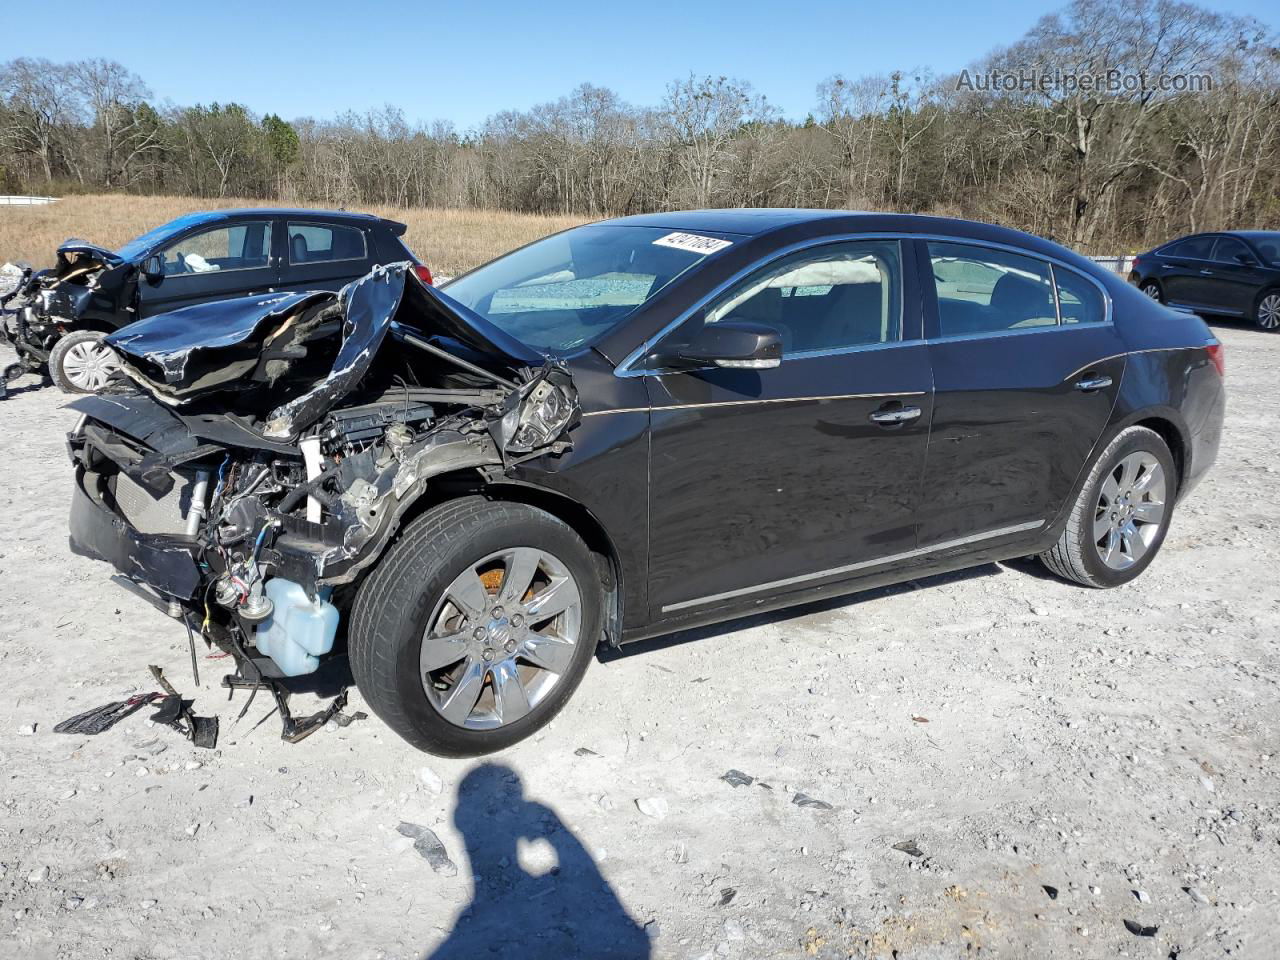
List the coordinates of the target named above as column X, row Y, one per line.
column 449, row 241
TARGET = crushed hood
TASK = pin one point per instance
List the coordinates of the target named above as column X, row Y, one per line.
column 193, row 352
column 75, row 250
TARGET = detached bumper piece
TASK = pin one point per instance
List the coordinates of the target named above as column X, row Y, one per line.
column 164, row 562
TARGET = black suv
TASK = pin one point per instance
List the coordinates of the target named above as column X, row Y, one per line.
column 1235, row 274
column 58, row 317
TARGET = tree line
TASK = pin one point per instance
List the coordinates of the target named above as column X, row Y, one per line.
column 1107, row 126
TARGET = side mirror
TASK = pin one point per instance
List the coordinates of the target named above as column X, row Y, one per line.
column 153, row 267
column 1246, row 260
column 734, row 344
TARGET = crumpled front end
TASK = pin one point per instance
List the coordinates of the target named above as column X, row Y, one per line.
column 37, row 307
column 260, row 471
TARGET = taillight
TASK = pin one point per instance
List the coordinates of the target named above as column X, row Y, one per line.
column 424, row 273
column 1218, row 355
column 1137, row 261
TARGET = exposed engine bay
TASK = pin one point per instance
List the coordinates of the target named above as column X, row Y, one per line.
column 265, row 450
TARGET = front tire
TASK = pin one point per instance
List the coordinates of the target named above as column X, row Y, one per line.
column 476, row 627
column 1122, row 514
column 1266, row 312
column 81, row 363
column 1151, row 290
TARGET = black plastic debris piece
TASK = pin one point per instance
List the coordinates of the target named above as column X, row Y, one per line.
column 726, row 895
column 736, row 778
column 585, row 752
column 429, row 847
column 176, row 712
column 1051, row 891
column 909, row 848
column 804, row 800
column 1138, row 930
column 95, row 721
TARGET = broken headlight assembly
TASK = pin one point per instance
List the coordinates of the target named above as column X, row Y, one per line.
column 538, row 420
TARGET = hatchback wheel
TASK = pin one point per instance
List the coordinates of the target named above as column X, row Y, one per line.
column 81, row 363
column 1267, row 313
column 1122, row 514
column 1152, row 290
column 476, row 627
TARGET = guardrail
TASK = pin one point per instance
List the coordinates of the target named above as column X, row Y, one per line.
column 25, row 201
column 1118, row 265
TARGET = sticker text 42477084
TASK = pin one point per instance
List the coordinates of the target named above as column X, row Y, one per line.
column 692, row 242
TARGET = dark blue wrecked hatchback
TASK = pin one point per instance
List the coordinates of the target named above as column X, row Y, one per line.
column 55, row 319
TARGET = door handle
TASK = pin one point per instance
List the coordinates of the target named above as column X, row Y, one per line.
column 1206, row 273
column 1090, row 384
column 895, row 416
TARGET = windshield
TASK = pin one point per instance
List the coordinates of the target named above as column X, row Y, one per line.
column 140, row 246
column 566, row 290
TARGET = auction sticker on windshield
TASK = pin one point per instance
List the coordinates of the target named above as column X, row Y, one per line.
column 692, row 242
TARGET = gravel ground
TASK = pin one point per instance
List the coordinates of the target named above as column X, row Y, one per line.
column 1073, row 773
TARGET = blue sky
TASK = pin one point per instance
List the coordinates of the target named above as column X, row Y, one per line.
column 464, row 61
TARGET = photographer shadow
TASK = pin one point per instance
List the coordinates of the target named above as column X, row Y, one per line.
column 568, row 911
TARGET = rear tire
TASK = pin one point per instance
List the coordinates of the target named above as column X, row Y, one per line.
column 1121, row 515
column 415, row 649
column 1266, row 312
column 1152, row 290
column 81, row 363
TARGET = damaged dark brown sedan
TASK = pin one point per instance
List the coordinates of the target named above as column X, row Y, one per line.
column 453, row 497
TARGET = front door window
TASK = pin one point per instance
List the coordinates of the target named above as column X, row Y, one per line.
column 241, row 246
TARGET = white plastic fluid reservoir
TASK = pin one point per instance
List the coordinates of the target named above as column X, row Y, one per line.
column 299, row 629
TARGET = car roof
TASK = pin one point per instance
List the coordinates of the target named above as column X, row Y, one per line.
column 749, row 221
column 758, row 222
column 205, row 216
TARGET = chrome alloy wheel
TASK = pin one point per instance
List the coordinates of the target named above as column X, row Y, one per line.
column 1152, row 291
column 1131, row 507
column 1269, row 312
column 88, row 365
column 500, row 638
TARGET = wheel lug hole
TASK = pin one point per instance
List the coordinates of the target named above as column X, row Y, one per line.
column 480, row 633
column 510, row 646
column 517, row 621
column 487, row 655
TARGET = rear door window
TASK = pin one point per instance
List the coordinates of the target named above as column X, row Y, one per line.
column 324, row 243
column 984, row 290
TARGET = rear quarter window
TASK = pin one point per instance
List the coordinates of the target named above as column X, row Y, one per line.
column 1192, row 248
column 1079, row 301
